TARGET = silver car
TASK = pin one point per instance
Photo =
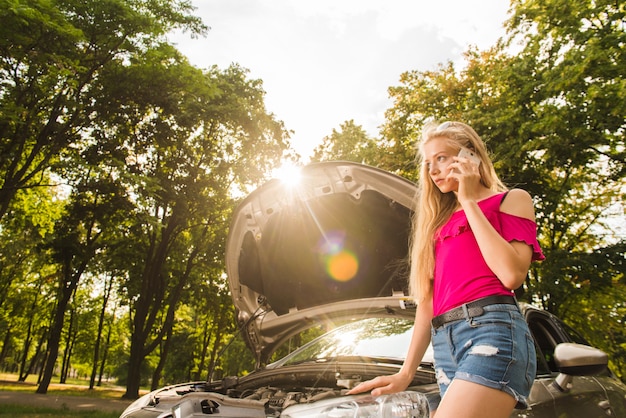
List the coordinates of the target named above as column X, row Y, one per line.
column 328, row 250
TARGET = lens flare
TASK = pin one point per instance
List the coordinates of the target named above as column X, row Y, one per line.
column 341, row 264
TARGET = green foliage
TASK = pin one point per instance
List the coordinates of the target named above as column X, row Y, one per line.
column 600, row 315
column 149, row 149
column 187, row 152
column 574, row 106
column 421, row 96
column 54, row 53
column 350, row 144
column 237, row 360
column 300, row 339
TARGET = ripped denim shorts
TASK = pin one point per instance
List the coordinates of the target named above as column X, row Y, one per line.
column 494, row 349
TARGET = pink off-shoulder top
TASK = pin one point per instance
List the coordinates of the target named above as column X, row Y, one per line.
column 461, row 274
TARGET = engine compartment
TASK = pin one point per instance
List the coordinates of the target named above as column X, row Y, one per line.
column 276, row 399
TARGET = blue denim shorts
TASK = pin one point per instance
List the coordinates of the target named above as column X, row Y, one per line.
column 494, row 349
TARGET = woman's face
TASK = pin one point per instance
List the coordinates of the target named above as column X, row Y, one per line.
column 438, row 155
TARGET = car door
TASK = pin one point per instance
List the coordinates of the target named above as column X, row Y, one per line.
column 583, row 396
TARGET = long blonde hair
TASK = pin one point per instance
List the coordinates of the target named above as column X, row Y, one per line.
column 434, row 208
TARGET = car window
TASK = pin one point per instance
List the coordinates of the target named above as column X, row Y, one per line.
column 370, row 338
column 549, row 331
column 574, row 335
column 546, row 339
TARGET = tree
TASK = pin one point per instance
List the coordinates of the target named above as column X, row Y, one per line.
column 53, row 57
column 190, row 161
column 26, row 279
column 579, row 117
column 149, row 149
column 95, row 206
column 53, row 53
column 576, row 50
column 351, row 143
column 97, row 350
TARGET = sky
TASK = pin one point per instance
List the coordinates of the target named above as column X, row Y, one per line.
column 323, row 62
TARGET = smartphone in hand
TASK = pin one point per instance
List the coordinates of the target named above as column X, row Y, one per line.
column 469, row 154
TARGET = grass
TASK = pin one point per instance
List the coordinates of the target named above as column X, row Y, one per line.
column 74, row 388
column 23, row 411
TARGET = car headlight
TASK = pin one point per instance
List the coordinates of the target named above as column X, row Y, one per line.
column 398, row 405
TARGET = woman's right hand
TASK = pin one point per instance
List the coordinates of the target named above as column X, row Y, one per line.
column 383, row 385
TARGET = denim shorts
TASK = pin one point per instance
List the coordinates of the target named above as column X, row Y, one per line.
column 494, row 349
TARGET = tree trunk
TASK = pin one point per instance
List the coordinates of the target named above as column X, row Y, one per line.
column 214, row 351
column 65, row 364
column 135, row 359
column 53, row 342
column 152, row 297
column 70, row 351
column 6, row 344
column 96, row 350
column 206, row 338
column 25, row 349
column 23, row 373
column 105, row 351
column 37, row 357
column 158, row 371
column 42, row 366
column 67, row 285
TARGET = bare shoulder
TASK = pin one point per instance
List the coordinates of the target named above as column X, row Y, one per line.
column 518, row 202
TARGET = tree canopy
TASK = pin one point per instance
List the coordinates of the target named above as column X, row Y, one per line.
column 139, row 149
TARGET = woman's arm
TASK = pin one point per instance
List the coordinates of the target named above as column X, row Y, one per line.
column 510, row 261
column 419, row 343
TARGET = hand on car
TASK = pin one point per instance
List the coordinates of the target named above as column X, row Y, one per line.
column 382, row 385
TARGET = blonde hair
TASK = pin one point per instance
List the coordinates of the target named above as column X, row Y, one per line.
column 434, row 207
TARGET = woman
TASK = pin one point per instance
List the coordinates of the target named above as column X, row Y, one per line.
column 473, row 242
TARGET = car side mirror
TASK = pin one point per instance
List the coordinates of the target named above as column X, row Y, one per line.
column 577, row 360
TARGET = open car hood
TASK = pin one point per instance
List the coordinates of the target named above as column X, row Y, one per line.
column 330, row 246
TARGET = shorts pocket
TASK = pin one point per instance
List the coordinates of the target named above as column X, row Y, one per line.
column 492, row 318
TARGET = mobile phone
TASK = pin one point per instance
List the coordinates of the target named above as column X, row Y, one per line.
column 470, row 155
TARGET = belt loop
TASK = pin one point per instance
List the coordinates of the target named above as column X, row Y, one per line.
column 466, row 312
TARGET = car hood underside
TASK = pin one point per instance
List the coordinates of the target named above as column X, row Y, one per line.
column 331, row 245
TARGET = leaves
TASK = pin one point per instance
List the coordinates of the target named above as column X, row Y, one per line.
column 148, row 148
column 350, row 144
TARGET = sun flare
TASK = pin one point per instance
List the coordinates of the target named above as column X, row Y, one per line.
column 288, row 173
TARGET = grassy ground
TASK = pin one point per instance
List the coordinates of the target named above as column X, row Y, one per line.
column 73, row 387
column 61, row 399
column 24, row 411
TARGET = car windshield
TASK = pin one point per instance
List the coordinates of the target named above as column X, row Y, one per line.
column 374, row 338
